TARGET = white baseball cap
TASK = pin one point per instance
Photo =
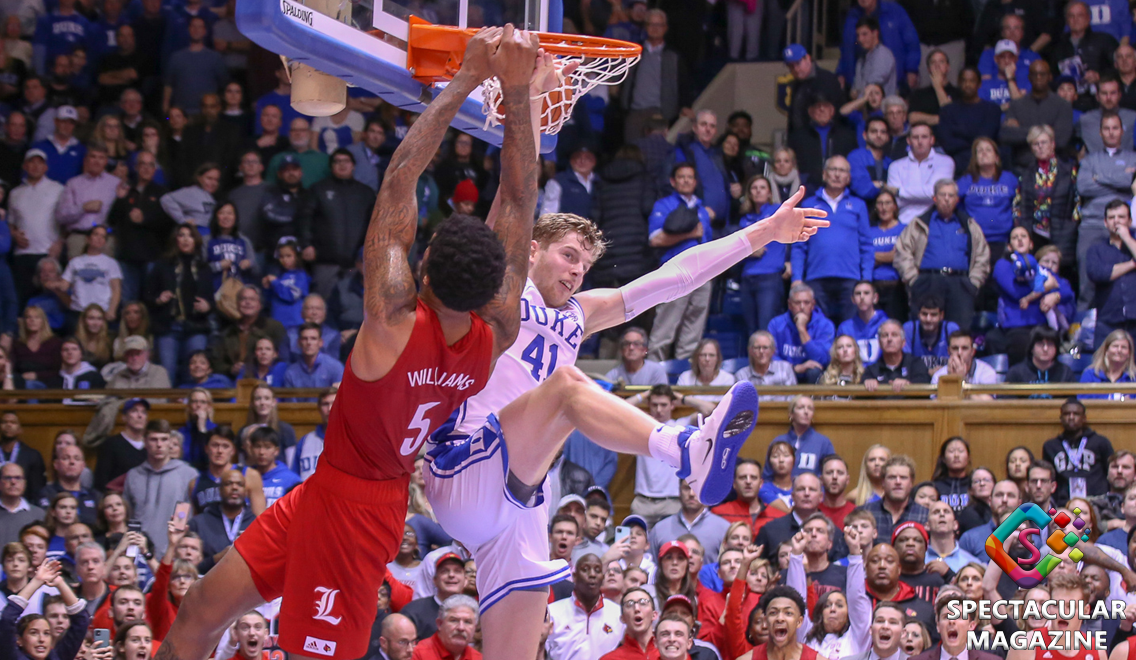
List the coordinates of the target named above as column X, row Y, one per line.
column 35, row 153
column 1005, row 46
column 67, row 112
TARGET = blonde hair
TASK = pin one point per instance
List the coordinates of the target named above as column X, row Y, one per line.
column 116, row 148
column 863, row 489
column 831, row 375
column 1100, row 358
column 730, row 530
column 102, row 350
column 552, row 227
column 1037, row 131
column 44, row 333
column 208, row 395
column 124, row 332
column 419, row 504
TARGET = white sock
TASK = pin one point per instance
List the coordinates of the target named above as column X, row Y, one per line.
column 663, row 445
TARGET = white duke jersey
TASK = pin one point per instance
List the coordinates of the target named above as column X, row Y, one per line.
column 548, row 338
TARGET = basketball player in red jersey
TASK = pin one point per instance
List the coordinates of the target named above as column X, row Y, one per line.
column 419, row 355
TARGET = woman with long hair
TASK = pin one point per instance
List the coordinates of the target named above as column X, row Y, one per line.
column 884, row 231
column 109, row 135
column 235, row 110
column 785, row 177
column 266, row 364
column 407, row 564
column 870, row 486
column 1018, row 461
column 1112, row 363
column 739, row 535
column 198, row 427
column 673, row 576
column 706, row 369
column 952, row 473
column 194, row 204
column 61, row 514
column 840, row 623
column 135, row 321
column 845, row 366
column 179, row 292
column 229, row 252
column 35, row 353
column 858, row 111
column 262, row 412
column 986, row 193
column 978, row 511
column 764, row 273
column 91, row 331
column 29, row 637
column 134, row 641
column 1047, row 201
column 782, row 458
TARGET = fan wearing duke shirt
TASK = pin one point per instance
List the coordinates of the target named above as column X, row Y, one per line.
column 493, row 456
column 864, row 326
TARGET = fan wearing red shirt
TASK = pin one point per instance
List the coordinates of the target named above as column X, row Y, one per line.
column 834, row 480
column 457, row 620
column 251, row 634
column 422, row 351
column 639, row 633
column 747, row 506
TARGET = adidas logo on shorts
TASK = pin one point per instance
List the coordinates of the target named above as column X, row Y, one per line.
column 319, row 646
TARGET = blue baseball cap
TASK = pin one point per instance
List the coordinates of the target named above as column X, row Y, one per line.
column 794, row 53
column 289, row 159
column 136, row 401
column 635, row 520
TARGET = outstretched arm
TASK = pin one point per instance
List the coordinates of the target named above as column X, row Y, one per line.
column 690, row 269
column 390, row 292
column 515, row 205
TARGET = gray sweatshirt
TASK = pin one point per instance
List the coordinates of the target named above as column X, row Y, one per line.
column 189, row 204
column 1101, row 179
column 153, row 494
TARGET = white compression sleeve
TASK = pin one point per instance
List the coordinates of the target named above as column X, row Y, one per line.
column 684, row 273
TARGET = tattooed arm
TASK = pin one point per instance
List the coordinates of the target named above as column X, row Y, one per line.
column 515, row 205
column 390, row 295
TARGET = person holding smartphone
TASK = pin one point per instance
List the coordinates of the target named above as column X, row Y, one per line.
column 29, row 637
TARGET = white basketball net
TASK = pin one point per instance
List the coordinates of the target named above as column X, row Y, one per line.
column 591, row 72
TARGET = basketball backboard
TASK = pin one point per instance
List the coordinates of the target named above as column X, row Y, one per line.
column 370, row 51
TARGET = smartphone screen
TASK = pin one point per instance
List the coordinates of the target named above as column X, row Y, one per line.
column 181, row 515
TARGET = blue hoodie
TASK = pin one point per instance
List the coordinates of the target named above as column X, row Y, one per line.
column 863, row 165
column 830, row 253
column 278, row 481
column 773, row 261
column 811, row 448
column 938, row 355
column 788, row 340
column 865, row 334
column 225, row 248
column 897, row 32
column 288, row 291
column 1012, row 289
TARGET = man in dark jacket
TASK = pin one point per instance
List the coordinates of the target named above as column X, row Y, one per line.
column 229, row 354
column 1082, row 52
column 621, row 206
column 1041, row 365
column 210, row 140
column 214, row 525
column 714, row 180
column 281, row 204
column 332, row 223
column 657, row 85
column 895, row 367
column 141, row 227
column 1080, row 455
column 13, row 450
column 808, row 80
column 820, row 139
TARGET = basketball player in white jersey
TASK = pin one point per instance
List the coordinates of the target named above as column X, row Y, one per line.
column 487, row 465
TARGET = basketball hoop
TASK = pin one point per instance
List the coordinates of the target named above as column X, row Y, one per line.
column 434, row 54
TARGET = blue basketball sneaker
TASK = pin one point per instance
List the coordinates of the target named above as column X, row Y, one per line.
column 710, row 450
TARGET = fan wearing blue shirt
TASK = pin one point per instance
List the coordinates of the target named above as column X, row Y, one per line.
column 864, row 326
column 1013, row 29
column 263, row 456
column 870, row 163
column 986, row 193
column 762, row 287
column 314, row 368
column 831, row 265
column 1000, row 89
column 803, row 334
column 58, row 33
column 927, row 336
column 884, row 234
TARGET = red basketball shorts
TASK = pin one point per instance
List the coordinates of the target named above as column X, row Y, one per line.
column 324, row 547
